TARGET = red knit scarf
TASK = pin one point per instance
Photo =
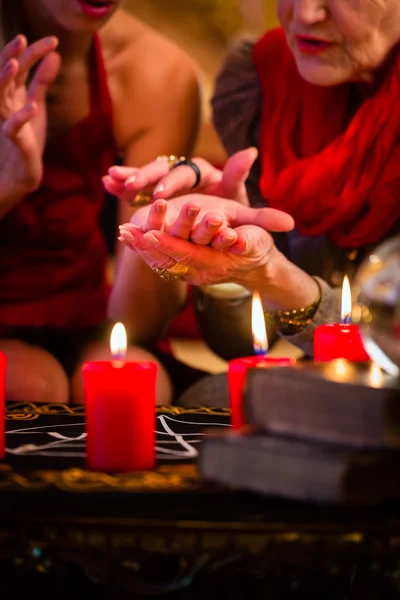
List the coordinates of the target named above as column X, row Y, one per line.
column 335, row 174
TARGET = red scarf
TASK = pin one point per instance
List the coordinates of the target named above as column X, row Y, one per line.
column 335, row 174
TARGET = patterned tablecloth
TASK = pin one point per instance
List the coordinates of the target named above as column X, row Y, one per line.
column 45, row 447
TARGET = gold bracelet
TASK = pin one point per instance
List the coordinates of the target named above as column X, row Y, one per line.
column 290, row 322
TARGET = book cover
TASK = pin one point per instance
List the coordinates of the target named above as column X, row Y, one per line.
column 322, row 403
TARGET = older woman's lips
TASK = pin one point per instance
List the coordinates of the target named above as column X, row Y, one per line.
column 96, row 9
column 312, row 45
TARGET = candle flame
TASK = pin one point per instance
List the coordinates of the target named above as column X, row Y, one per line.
column 118, row 341
column 258, row 328
column 346, row 301
column 375, row 376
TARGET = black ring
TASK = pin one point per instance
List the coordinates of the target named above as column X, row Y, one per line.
column 193, row 166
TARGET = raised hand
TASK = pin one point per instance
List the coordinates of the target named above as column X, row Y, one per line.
column 157, row 178
column 23, row 114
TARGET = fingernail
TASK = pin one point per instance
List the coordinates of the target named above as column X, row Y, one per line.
column 160, row 207
column 159, row 188
column 229, row 238
column 150, row 237
column 50, row 40
column 193, row 212
column 130, row 179
column 126, row 235
column 213, row 223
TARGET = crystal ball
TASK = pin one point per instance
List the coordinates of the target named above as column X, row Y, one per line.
column 377, row 310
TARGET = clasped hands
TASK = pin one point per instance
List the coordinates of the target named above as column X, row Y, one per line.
column 219, row 240
column 215, row 234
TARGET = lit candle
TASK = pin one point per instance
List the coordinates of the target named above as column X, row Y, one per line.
column 120, row 410
column 3, row 369
column 237, row 367
column 340, row 340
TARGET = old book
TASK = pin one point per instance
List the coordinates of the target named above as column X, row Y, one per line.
column 336, row 402
column 299, row 470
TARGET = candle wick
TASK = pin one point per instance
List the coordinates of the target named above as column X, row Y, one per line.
column 261, row 352
column 346, row 320
column 119, row 360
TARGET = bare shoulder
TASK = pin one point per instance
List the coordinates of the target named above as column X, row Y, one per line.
column 135, row 52
column 150, row 77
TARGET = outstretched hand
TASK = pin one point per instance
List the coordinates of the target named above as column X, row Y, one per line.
column 162, row 182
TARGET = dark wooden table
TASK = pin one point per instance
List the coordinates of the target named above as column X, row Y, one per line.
column 167, row 532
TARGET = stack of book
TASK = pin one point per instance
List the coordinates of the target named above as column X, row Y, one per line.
column 316, row 432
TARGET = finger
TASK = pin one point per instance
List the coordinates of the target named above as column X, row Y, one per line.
column 33, row 54
column 14, row 124
column 224, row 239
column 7, row 73
column 236, row 171
column 152, row 256
column 269, row 219
column 182, row 251
column 13, row 49
column 208, row 228
column 156, row 216
column 185, row 221
column 118, row 190
column 44, row 76
column 181, row 179
column 112, row 187
column 252, row 242
column 147, row 176
column 120, row 173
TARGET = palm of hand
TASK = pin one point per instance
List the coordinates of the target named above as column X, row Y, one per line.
column 21, row 156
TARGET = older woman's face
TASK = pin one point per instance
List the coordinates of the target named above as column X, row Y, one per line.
column 334, row 41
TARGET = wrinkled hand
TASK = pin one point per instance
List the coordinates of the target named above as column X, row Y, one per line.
column 23, row 115
column 218, row 246
column 157, row 178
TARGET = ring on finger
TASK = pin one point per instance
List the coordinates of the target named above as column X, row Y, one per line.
column 189, row 163
column 177, row 271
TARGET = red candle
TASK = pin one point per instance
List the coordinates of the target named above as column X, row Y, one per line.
column 237, row 367
column 120, row 411
column 3, row 369
column 237, row 370
column 340, row 340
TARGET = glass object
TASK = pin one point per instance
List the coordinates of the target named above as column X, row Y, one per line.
column 377, row 310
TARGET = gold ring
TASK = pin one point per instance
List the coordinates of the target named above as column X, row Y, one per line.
column 141, row 199
column 171, row 160
column 176, row 272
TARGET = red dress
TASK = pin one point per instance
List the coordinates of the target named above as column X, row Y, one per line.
column 53, row 251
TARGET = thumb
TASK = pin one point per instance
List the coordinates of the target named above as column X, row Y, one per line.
column 236, row 171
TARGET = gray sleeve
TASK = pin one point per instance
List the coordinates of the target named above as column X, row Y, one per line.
column 237, row 99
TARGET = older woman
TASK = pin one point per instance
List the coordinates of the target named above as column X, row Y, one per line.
column 318, row 99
